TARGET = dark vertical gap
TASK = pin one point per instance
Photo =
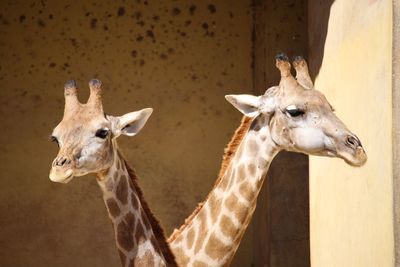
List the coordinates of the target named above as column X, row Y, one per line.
column 281, row 221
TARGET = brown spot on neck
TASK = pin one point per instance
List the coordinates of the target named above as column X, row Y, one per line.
column 190, row 239
column 125, row 235
column 122, row 189
column 113, row 207
column 214, row 243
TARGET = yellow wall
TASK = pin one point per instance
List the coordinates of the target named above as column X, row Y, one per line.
column 351, row 208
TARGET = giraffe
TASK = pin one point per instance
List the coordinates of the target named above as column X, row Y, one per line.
column 86, row 137
column 292, row 116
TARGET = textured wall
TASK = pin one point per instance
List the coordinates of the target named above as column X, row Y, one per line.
column 178, row 57
column 351, row 209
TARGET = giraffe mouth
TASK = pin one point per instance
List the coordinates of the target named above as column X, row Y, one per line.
column 357, row 159
column 61, row 177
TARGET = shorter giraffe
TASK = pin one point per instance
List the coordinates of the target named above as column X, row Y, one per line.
column 292, row 116
column 87, row 140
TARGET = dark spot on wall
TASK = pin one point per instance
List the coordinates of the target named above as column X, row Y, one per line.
column 204, row 26
column 163, row 56
column 139, row 38
column 51, row 16
column 65, row 66
column 188, row 22
column 211, row 8
column 74, row 42
column 194, row 77
column 137, row 15
column 121, row 11
column 171, row 50
column 156, row 18
column 87, row 14
column 141, row 62
column 133, row 53
column 36, row 98
column 22, row 18
column 192, row 9
column 176, row 11
column 140, row 23
column 183, row 34
column 105, row 27
column 150, row 34
column 52, row 65
column 93, row 23
column 41, row 23
column 230, row 15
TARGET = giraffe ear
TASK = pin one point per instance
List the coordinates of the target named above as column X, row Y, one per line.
column 247, row 104
column 131, row 123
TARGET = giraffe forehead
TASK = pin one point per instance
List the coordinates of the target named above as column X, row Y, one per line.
column 304, row 99
column 80, row 124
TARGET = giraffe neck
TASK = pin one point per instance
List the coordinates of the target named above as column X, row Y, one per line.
column 213, row 234
column 139, row 238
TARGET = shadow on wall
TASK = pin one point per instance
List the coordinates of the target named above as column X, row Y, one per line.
column 318, row 19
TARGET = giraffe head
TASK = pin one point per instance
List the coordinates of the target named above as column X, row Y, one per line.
column 85, row 134
column 300, row 118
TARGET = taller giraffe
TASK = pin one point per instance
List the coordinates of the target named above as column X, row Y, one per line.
column 87, row 140
column 292, row 116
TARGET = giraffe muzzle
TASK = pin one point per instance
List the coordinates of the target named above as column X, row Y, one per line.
column 61, row 171
column 353, row 152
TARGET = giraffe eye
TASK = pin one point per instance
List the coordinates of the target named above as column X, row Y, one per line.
column 102, row 133
column 54, row 139
column 293, row 111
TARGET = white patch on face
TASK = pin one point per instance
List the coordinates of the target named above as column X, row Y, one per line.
column 89, row 156
column 309, row 140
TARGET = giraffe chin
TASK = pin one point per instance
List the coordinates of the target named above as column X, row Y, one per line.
column 356, row 159
column 61, row 177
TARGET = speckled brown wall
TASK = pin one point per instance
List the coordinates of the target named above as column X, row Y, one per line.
column 179, row 57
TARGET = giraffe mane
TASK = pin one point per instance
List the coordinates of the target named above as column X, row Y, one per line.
column 229, row 152
column 155, row 225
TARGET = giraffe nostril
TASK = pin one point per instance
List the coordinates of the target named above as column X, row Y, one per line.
column 62, row 161
column 353, row 141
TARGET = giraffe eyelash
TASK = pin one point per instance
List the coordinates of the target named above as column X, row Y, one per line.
column 54, row 139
